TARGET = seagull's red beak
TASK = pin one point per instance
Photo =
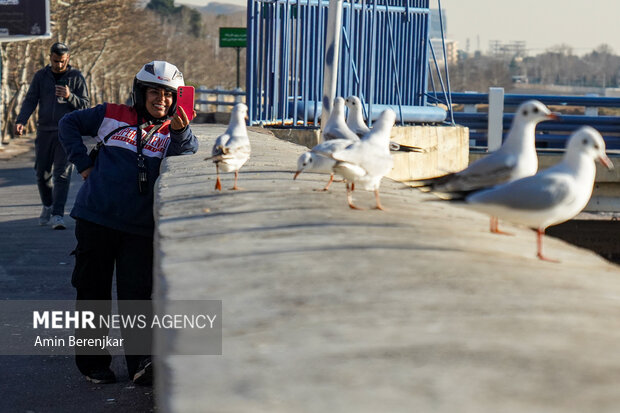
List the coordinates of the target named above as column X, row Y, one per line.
column 606, row 161
column 296, row 175
column 554, row 116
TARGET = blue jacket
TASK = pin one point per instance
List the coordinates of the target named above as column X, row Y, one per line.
column 42, row 91
column 110, row 196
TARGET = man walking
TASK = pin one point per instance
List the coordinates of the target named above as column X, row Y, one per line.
column 57, row 89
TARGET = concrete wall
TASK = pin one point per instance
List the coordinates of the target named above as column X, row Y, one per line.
column 446, row 149
column 306, row 137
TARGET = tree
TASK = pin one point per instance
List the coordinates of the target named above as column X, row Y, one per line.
column 181, row 16
column 110, row 40
column 164, row 7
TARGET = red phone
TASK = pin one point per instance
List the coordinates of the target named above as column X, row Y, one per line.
column 185, row 99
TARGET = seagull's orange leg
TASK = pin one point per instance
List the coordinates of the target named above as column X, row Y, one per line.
column 218, row 183
column 379, row 206
column 495, row 227
column 350, row 197
column 540, row 232
column 235, row 187
column 331, row 179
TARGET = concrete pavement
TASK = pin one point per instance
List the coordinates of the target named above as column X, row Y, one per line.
column 35, row 265
column 418, row 308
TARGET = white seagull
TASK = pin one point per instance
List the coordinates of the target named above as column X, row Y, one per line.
column 364, row 163
column 552, row 196
column 355, row 122
column 336, row 127
column 232, row 149
column 355, row 118
column 318, row 159
column 336, row 135
column 515, row 159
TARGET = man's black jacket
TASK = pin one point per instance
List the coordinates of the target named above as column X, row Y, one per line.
column 42, row 91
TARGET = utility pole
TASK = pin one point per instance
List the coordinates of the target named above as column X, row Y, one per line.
column 238, row 67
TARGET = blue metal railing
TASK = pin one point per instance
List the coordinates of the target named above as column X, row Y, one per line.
column 203, row 94
column 550, row 134
column 517, row 99
column 384, row 56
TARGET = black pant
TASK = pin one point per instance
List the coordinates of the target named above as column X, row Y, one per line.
column 51, row 166
column 99, row 249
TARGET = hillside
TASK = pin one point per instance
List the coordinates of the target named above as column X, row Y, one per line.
column 221, row 8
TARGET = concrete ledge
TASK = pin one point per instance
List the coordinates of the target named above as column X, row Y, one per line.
column 306, row 137
column 332, row 310
column 447, row 149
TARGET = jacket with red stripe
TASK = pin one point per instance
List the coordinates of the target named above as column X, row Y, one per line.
column 110, row 195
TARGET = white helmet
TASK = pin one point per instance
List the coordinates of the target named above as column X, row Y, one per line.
column 158, row 74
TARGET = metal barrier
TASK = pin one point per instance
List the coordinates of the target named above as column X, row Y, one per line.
column 383, row 57
column 550, row 134
column 202, row 101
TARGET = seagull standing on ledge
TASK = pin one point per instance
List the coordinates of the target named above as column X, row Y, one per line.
column 355, row 118
column 364, row 163
column 515, row 159
column 232, row 149
column 336, row 127
column 552, row 196
column 355, row 122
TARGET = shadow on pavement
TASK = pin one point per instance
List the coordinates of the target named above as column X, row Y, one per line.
column 35, row 264
column 15, row 176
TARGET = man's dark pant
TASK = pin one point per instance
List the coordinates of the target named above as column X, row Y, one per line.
column 98, row 250
column 51, row 165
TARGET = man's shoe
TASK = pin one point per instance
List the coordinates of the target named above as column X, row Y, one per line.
column 58, row 222
column 144, row 374
column 103, row 376
column 46, row 214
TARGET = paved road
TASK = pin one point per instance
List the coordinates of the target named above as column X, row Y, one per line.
column 35, row 264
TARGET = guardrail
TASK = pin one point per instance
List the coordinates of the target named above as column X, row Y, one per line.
column 216, row 97
column 382, row 56
column 487, row 129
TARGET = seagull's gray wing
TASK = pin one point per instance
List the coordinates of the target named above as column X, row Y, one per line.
column 331, row 146
column 538, row 192
column 497, row 166
column 492, row 170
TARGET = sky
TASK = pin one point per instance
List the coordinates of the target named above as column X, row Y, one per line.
column 581, row 24
column 205, row 2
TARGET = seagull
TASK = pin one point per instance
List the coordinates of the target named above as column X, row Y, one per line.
column 365, row 162
column 355, row 119
column 318, row 160
column 515, row 159
column 336, row 135
column 232, row 149
column 336, row 127
column 355, row 122
column 552, row 196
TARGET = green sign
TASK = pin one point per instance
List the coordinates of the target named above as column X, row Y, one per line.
column 233, row 37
